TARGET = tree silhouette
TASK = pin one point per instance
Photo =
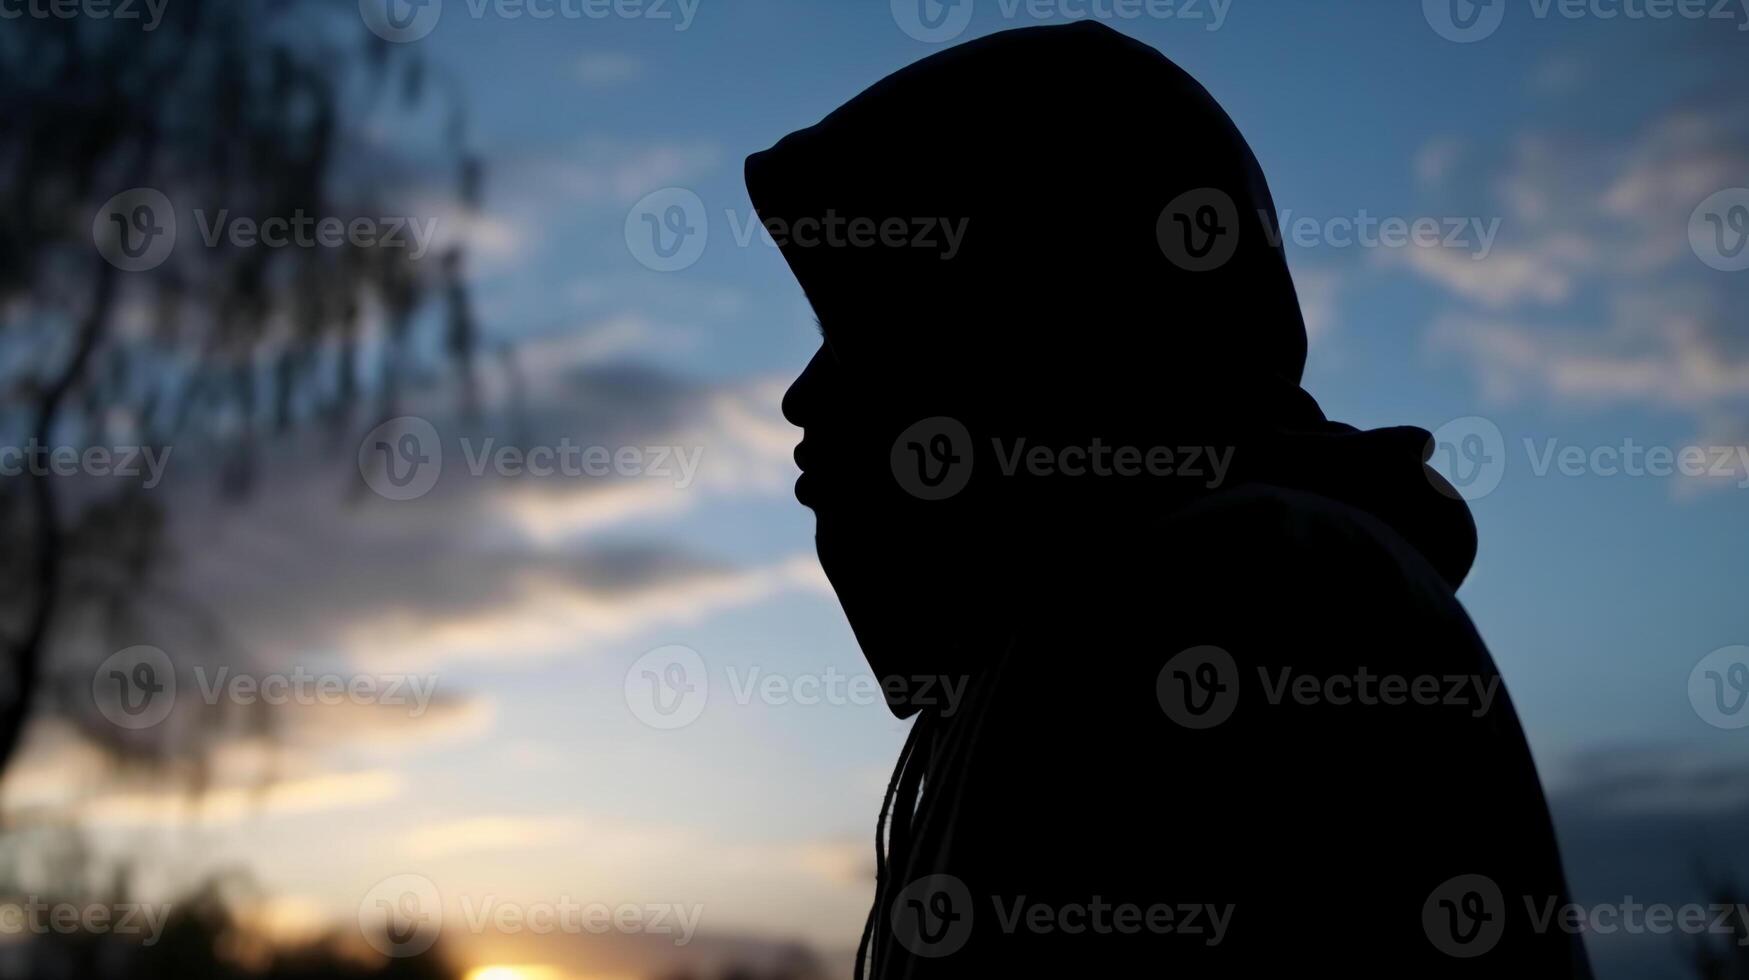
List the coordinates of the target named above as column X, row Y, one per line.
column 251, row 107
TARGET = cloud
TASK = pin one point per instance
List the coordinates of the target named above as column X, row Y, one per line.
column 1593, row 296
column 1318, row 290
column 493, row 562
column 61, row 773
column 230, row 805
column 1506, row 276
column 1666, row 349
column 488, row 833
column 547, row 615
column 1436, row 158
column 1661, row 780
column 604, row 69
column 606, row 172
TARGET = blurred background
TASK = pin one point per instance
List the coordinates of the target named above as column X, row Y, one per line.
column 401, row 577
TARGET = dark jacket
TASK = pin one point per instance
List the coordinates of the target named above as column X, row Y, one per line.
column 1333, row 823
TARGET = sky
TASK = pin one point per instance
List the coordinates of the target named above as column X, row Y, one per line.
column 1569, row 154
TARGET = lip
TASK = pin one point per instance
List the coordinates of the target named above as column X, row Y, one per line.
column 807, row 485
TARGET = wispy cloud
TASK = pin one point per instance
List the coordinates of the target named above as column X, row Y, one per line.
column 604, row 69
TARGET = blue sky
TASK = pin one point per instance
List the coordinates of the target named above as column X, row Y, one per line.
column 1587, row 141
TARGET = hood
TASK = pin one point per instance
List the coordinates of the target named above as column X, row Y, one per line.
column 1058, row 227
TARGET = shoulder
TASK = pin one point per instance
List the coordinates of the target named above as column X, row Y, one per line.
column 1263, row 533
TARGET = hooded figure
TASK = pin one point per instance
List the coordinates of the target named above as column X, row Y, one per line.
column 1192, row 692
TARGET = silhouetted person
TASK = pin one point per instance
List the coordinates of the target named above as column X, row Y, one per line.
column 1218, row 716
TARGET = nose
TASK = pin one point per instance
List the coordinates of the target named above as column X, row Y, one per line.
column 802, row 398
